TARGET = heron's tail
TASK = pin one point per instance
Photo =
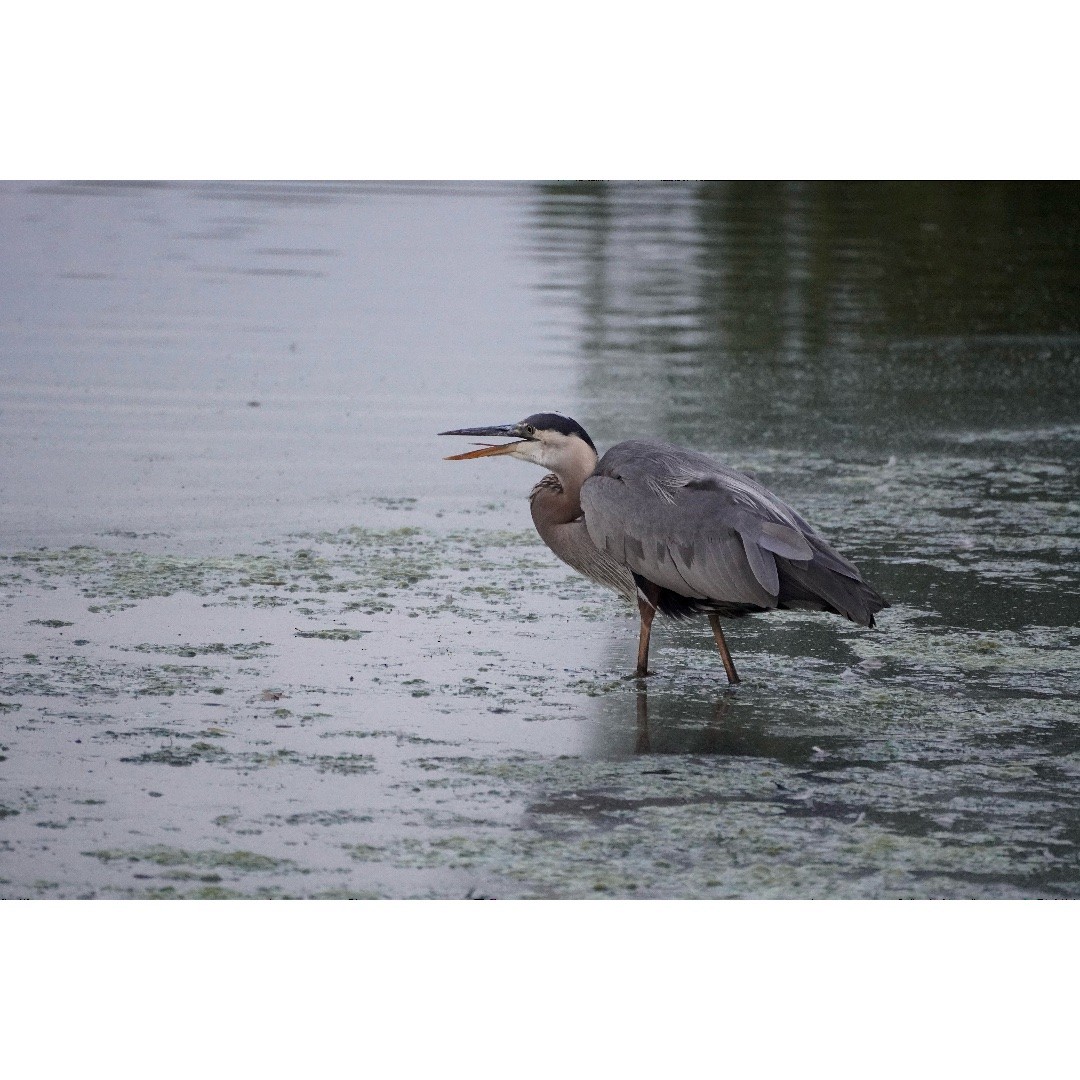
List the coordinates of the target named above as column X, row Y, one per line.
column 817, row 587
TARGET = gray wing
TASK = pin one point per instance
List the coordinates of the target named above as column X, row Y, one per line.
column 691, row 525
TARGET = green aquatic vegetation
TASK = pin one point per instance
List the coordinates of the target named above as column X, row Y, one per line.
column 364, row 852
column 249, row 650
column 730, row 828
column 499, row 592
column 27, row 684
column 401, row 738
column 207, row 892
column 594, row 687
column 161, row 855
column 191, row 875
column 348, row 894
column 1048, row 655
column 632, row 836
column 124, row 577
column 82, row 675
column 178, row 755
column 327, row 818
column 374, row 569
column 260, row 760
column 333, row 634
column 170, row 679
column 594, row 612
column 344, row 764
column 401, row 502
column 455, row 852
column 1012, row 523
column 368, row 607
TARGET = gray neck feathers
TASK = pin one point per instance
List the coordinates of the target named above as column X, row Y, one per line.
column 557, row 498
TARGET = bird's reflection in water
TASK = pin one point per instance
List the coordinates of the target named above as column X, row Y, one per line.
column 727, row 724
column 681, row 738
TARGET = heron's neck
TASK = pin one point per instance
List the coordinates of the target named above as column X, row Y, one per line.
column 561, row 502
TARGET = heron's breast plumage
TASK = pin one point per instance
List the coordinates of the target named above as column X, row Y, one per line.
column 561, row 526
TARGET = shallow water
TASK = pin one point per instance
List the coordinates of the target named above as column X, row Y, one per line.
column 260, row 640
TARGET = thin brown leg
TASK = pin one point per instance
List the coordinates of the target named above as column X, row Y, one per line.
column 647, row 610
column 721, row 644
column 648, row 613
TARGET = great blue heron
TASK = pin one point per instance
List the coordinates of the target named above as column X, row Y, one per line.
column 675, row 531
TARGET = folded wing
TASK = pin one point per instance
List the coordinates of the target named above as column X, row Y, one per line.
column 693, row 527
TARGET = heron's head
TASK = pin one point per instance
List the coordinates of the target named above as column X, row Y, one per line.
column 547, row 439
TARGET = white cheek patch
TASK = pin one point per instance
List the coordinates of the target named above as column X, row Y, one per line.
column 532, row 452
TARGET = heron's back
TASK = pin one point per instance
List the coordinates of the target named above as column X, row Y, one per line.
column 713, row 539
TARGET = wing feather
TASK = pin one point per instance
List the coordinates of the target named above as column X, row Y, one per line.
column 762, row 564
column 688, row 524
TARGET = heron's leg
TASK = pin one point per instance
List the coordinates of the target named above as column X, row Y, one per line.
column 647, row 610
column 648, row 613
column 721, row 644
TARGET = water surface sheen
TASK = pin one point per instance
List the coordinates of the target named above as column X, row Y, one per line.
column 260, row 640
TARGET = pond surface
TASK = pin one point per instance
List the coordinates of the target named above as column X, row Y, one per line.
column 261, row 640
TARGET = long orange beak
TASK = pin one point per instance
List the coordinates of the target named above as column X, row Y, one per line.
column 490, row 450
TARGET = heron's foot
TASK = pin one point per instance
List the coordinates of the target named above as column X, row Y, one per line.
column 640, row 673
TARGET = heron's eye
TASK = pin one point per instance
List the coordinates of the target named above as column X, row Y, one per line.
column 529, row 429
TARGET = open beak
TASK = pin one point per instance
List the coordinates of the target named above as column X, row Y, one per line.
column 487, row 449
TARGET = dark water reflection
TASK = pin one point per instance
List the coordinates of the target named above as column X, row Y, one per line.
column 873, row 315
column 667, row 725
